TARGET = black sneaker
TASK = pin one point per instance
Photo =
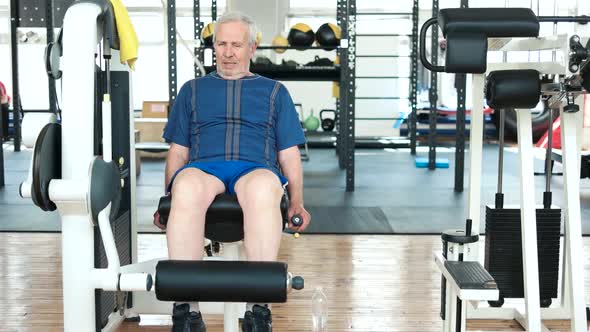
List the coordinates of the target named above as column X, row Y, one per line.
column 257, row 320
column 184, row 320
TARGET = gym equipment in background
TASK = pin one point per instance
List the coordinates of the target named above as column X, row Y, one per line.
column 311, row 123
column 320, row 62
column 328, row 124
column 280, row 41
column 328, row 36
column 207, row 35
column 503, row 250
column 263, row 61
column 301, row 35
column 466, row 278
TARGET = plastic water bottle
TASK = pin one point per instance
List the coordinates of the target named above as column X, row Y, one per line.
column 319, row 310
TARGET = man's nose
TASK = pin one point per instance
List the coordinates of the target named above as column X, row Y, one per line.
column 228, row 52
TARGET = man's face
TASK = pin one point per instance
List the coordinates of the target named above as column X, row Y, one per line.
column 233, row 50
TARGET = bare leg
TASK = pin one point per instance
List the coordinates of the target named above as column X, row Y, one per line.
column 259, row 193
column 192, row 193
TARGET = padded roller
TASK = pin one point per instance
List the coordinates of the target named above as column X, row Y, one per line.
column 513, row 89
column 221, row 281
column 493, row 22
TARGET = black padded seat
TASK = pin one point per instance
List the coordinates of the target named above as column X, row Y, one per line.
column 224, row 221
column 492, row 22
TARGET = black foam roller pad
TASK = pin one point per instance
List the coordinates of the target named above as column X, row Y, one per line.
column 221, row 281
column 513, row 89
column 493, row 22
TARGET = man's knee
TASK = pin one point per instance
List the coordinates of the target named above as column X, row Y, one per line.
column 258, row 186
column 192, row 184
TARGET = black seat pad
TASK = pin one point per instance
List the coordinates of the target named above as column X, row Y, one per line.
column 224, row 221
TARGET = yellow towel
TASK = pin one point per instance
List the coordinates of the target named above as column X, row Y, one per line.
column 128, row 43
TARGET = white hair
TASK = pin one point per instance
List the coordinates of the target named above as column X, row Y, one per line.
column 238, row 17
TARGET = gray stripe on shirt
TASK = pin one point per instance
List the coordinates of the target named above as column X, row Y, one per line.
column 238, row 121
column 271, row 111
column 229, row 129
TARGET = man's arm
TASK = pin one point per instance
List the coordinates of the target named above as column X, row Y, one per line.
column 177, row 157
column 290, row 162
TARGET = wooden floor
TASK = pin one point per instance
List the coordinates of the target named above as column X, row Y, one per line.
column 373, row 283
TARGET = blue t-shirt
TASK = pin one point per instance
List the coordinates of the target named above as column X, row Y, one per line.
column 249, row 119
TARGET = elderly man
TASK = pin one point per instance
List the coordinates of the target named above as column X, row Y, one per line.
column 236, row 132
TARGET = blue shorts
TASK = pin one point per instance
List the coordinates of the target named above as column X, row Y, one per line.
column 229, row 172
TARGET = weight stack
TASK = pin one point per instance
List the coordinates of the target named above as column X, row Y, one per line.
column 503, row 250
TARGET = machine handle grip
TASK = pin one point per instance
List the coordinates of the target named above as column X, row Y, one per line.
column 297, row 220
column 425, row 62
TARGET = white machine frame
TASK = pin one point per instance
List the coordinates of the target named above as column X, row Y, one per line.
column 571, row 305
column 81, row 37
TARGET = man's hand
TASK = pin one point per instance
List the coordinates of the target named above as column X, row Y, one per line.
column 300, row 210
column 157, row 221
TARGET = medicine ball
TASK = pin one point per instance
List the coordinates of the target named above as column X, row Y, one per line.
column 301, row 35
column 207, row 35
column 280, row 41
column 328, row 36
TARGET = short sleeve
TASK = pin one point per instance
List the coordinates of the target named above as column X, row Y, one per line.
column 288, row 128
column 177, row 129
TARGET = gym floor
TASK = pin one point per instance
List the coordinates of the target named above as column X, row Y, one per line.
column 371, row 249
column 374, row 283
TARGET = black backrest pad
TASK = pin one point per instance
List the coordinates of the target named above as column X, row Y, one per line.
column 466, row 53
column 513, row 89
column 493, row 22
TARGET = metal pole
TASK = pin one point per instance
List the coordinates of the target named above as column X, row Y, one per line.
column 433, row 95
column 414, row 79
column 461, row 86
column 350, row 87
column 16, row 106
column 50, row 38
column 171, row 10
column 198, row 51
